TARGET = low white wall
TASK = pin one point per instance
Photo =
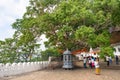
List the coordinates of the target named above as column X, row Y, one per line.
column 19, row 68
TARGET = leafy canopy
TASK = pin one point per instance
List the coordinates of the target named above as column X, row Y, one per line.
column 69, row 24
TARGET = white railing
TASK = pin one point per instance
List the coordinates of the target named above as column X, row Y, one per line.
column 19, row 68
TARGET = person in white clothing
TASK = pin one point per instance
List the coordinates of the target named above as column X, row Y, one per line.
column 107, row 60
column 85, row 62
column 90, row 62
column 97, row 67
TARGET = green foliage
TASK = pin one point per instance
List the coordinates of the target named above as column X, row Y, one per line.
column 11, row 52
column 84, row 32
column 116, row 13
column 86, row 35
column 50, row 52
column 103, row 39
column 64, row 32
column 106, row 51
column 7, row 51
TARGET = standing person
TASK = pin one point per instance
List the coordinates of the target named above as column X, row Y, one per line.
column 107, row 60
column 97, row 67
column 93, row 62
column 90, row 62
column 117, row 59
column 85, row 62
column 110, row 60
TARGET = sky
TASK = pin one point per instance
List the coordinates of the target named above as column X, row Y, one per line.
column 10, row 10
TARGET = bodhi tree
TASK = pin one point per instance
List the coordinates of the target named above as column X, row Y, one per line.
column 69, row 24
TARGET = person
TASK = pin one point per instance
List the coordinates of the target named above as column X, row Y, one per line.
column 97, row 67
column 90, row 62
column 110, row 60
column 93, row 61
column 85, row 62
column 107, row 60
column 117, row 59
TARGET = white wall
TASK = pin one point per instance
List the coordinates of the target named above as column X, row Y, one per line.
column 19, row 68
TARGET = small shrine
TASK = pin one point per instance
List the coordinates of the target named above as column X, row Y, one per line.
column 67, row 60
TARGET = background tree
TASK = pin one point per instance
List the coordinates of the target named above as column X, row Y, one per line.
column 53, row 52
column 7, row 51
column 26, row 45
column 13, row 50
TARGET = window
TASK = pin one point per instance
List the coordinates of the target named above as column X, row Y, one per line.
column 69, row 57
column 65, row 57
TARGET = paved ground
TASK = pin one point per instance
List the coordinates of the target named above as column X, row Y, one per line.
column 107, row 73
